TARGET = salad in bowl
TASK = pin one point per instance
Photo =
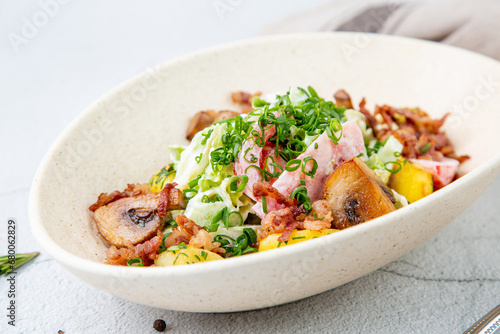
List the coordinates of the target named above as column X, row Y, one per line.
column 284, row 169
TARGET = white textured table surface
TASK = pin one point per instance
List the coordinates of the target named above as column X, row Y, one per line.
column 50, row 73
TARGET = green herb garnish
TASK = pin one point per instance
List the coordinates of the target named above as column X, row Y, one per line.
column 425, row 148
column 9, row 263
column 136, row 262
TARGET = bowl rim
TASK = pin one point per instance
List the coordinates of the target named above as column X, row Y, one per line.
column 70, row 260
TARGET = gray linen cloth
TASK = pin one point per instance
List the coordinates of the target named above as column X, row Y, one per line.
column 470, row 24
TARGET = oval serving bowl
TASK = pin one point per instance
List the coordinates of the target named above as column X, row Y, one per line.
column 123, row 137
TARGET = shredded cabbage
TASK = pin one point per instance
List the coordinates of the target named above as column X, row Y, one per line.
column 202, row 213
column 194, row 171
column 188, row 168
column 380, row 161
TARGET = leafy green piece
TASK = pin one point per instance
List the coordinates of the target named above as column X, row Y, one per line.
column 9, row 263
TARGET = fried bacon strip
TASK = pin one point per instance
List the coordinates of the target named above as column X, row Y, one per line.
column 265, row 189
column 171, row 198
column 321, row 219
column 285, row 220
column 244, row 99
column 146, row 251
column 189, row 232
column 131, row 191
column 421, row 135
column 278, row 221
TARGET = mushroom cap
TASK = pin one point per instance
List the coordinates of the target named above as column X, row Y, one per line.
column 130, row 220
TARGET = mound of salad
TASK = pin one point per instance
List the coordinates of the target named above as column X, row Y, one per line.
column 283, row 169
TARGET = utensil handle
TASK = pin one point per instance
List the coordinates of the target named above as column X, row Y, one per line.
column 489, row 324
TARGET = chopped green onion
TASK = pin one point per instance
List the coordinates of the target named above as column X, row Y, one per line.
column 293, row 165
column 316, row 217
column 258, row 102
column 171, row 223
column 253, row 159
column 213, row 227
column 194, row 182
column 136, row 262
column 233, row 185
column 182, row 245
column 263, row 175
column 296, row 146
column 162, row 246
column 264, row 204
column 425, row 148
column 249, row 250
column 238, row 215
column 312, row 91
column 314, row 167
column 277, row 169
column 189, row 191
column 389, row 166
column 332, row 128
column 252, row 236
column 206, row 136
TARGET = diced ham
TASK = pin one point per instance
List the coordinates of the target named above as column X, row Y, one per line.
column 328, row 157
column 254, row 152
column 269, row 151
column 442, row 172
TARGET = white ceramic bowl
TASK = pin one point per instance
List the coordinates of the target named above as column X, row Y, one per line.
column 122, row 138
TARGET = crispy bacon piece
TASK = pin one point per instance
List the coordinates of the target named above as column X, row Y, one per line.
column 421, row 135
column 171, row 198
column 287, row 216
column 323, row 218
column 191, row 233
column 204, row 240
column 278, row 221
column 146, row 251
column 265, row 189
column 286, row 220
column 244, row 99
column 225, row 114
column 131, row 191
column 276, row 200
column 185, row 230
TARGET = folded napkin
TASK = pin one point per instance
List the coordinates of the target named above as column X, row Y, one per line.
column 470, row 24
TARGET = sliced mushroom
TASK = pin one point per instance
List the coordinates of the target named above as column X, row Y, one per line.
column 342, row 99
column 129, row 220
column 200, row 121
column 356, row 194
column 206, row 118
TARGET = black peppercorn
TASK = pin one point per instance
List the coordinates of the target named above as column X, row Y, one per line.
column 159, row 325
